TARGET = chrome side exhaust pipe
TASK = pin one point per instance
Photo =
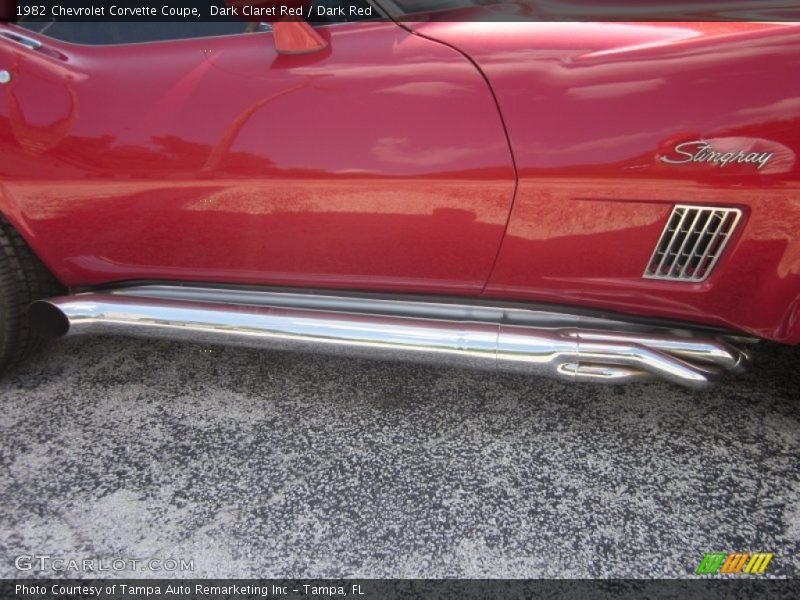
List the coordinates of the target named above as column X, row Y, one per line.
column 555, row 351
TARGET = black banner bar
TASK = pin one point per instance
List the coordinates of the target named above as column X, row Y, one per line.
column 407, row 10
column 371, row 589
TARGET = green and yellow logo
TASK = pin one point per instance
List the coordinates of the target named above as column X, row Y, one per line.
column 735, row 562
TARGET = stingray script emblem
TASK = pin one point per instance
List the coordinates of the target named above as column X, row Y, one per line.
column 701, row 151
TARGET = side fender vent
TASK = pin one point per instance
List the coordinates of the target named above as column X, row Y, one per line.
column 692, row 242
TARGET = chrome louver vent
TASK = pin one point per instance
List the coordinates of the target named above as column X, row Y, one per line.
column 692, row 242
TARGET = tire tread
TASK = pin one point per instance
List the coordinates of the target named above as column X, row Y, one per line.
column 23, row 279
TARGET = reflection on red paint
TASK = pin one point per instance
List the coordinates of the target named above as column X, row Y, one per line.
column 243, row 166
column 383, row 164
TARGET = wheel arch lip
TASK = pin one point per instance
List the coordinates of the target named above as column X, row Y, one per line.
column 11, row 211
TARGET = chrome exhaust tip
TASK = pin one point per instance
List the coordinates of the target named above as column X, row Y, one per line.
column 518, row 341
column 47, row 320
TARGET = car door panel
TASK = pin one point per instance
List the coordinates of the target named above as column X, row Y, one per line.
column 381, row 163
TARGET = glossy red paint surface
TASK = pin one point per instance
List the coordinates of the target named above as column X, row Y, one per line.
column 382, row 162
column 590, row 108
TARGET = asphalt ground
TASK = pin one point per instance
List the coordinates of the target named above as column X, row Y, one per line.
column 282, row 465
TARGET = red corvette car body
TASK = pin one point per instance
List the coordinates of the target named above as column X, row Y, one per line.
column 535, row 161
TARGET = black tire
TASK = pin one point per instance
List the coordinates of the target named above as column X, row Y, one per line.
column 23, row 279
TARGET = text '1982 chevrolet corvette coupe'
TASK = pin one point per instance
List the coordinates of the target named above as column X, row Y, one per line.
column 600, row 201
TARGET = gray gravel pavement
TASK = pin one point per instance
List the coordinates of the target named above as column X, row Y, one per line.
column 282, row 465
